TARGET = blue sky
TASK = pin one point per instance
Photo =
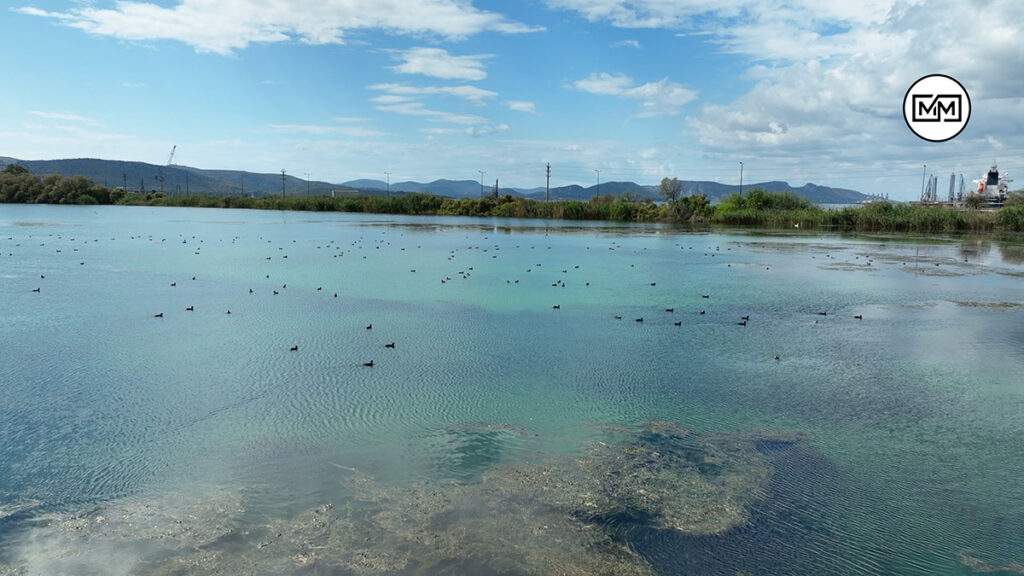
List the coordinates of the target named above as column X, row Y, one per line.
column 342, row 89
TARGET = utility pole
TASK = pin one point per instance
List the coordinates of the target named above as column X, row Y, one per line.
column 598, row 182
column 388, row 176
column 547, row 192
column 925, row 167
column 282, row 182
column 307, row 183
column 482, row 172
column 741, row 178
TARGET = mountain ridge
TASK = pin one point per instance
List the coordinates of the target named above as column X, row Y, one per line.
column 174, row 179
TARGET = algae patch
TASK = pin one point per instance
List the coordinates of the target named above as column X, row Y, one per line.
column 553, row 514
column 992, row 305
column 979, row 566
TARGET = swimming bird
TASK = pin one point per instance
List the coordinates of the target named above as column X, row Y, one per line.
column 190, row 309
column 557, row 307
column 160, row 315
column 859, row 316
column 36, row 290
column 776, row 357
column 653, row 284
column 680, row 323
column 822, row 313
column 705, row 296
column 641, row 319
column 618, row 317
column 174, row 284
column 392, row 345
column 294, row 349
column 229, row 311
column 745, row 317
column 744, row 323
column 368, row 364
column 670, row 309
column 369, row 326
column 701, row 311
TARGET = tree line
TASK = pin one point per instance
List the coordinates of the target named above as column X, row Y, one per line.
column 756, row 207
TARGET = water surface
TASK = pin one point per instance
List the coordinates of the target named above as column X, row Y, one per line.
column 502, row 435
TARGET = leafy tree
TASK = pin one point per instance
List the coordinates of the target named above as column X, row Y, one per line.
column 15, row 169
column 670, row 189
column 976, row 201
column 690, row 207
column 1015, row 198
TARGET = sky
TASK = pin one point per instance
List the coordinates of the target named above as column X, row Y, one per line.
column 799, row 91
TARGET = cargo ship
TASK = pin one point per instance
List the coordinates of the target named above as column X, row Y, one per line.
column 993, row 186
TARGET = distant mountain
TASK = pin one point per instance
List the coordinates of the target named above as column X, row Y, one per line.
column 138, row 176
column 366, row 184
column 179, row 179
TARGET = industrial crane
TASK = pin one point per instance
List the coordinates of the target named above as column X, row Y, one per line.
column 160, row 171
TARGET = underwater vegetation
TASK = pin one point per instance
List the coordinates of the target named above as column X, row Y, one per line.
column 556, row 514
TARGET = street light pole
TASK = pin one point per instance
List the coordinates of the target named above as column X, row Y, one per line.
column 598, row 182
column 923, row 169
column 482, row 172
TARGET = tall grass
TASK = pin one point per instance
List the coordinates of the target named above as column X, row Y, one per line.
column 879, row 217
column 757, row 208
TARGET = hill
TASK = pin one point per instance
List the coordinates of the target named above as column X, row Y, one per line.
column 138, row 176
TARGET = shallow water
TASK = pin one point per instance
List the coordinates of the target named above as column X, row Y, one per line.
column 911, row 461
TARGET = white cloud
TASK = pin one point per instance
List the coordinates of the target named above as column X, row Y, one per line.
column 687, row 14
column 521, row 106
column 625, row 44
column 662, row 98
column 65, row 117
column 827, row 77
column 439, row 63
column 326, row 130
column 225, row 26
column 403, row 92
column 486, row 130
column 604, row 83
column 419, row 109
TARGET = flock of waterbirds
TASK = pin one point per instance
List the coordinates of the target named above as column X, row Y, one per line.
column 464, row 274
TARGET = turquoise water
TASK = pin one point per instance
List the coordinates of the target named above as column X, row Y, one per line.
column 118, row 428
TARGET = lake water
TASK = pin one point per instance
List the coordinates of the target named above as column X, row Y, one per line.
column 502, row 435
